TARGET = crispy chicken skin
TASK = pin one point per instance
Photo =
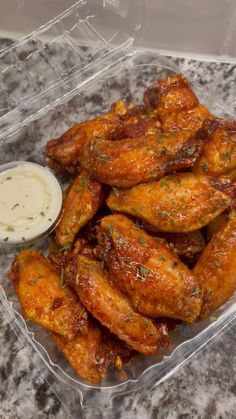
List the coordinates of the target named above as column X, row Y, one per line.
column 81, row 203
column 156, row 281
column 218, row 156
column 177, row 203
column 176, row 105
column 132, row 161
column 43, row 299
column 90, row 354
column 216, row 269
column 108, row 305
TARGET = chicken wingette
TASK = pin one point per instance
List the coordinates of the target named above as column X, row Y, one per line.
column 90, row 354
column 216, row 268
column 43, row 296
column 80, row 204
column 121, row 122
column 113, row 309
column 178, row 203
column 128, row 162
column 176, row 105
column 156, row 281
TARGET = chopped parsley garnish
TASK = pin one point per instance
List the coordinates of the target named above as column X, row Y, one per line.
column 196, row 291
column 144, row 271
column 62, row 279
column 228, row 155
column 9, row 178
column 42, row 213
column 49, row 219
column 142, row 240
column 14, row 206
column 9, row 228
column 121, row 241
column 30, row 218
column 85, row 181
column 63, row 249
column 204, row 167
column 6, row 239
column 103, row 158
column 115, row 191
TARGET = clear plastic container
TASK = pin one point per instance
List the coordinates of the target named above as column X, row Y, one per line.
column 70, row 70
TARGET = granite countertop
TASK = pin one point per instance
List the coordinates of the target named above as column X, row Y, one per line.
column 203, row 388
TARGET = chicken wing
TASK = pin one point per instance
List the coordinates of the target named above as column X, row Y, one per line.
column 177, row 203
column 64, row 151
column 91, row 353
column 107, row 304
column 80, row 205
column 216, row 269
column 44, row 298
column 176, row 105
column 218, row 156
column 156, row 281
column 131, row 161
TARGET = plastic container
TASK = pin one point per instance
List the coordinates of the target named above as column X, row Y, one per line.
column 57, row 83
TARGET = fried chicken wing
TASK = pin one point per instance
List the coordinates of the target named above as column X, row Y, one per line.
column 218, row 155
column 177, row 203
column 132, row 161
column 91, row 353
column 80, row 205
column 108, row 305
column 63, row 152
column 176, row 104
column 156, row 281
column 216, row 269
column 43, row 298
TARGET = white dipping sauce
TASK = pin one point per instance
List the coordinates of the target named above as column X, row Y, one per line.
column 30, row 201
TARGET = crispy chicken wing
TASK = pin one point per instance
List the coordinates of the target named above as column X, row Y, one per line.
column 107, row 304
column 91, row 353
column 216, row 269
column 157, row 282
column 176, row 104
column 121, row 122
column 81, row 203
column 218, row 156
column 177, row 203
column 64, row 151
column 43, row 298
column 131, row 161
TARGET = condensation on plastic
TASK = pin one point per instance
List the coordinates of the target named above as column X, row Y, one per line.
column 65, row 83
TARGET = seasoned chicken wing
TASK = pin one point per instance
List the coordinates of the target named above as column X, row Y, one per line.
column 81, row 203
column 156, row 281
column 44, row 298
column 177, row 203
column 91, row 353
column 63, row 152
column 131, row 161
column 176, row 105
column 108, row 305
column 218, row 155
column 216, row 269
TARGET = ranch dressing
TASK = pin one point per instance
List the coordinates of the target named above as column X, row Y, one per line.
column 30, row 201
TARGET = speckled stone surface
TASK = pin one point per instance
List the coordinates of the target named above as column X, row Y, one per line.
column 203, row 388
